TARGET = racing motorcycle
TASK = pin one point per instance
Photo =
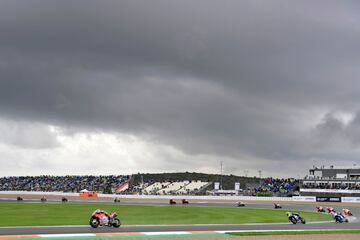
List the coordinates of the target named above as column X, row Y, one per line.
column 339, row 218
column 277, row 206
column 347, row 212
column 320, row 209
column 99, row 218
column 240, row 204
column 330, row 210
column 295, row 218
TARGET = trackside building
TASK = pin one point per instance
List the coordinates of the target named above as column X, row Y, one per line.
column 331, row 182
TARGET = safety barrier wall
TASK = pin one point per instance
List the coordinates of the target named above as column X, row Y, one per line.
column 234, row 198
column 304, row 198
column 315, row 191
column 350, row 199
column 39, row 193
column 166, row 197
column 328, row 199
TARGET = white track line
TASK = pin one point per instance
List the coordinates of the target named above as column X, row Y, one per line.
column 166, row 233
column 169, row 233
column 285, row 230
column 61, row 226
column 167, row 225
column 67, row 235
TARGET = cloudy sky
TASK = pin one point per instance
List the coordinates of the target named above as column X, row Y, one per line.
column 109, row 87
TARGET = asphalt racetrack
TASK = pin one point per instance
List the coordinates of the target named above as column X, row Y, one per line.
column 292, row 206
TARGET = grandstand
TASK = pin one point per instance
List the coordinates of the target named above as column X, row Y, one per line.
column 167, row 188
column 173, row 187
column 193, row 186
column 148, row 184
column 278, row 187
column 321, row 182
column 155, row 187
column 199, row 183
column 104, row 184
column 332, row 182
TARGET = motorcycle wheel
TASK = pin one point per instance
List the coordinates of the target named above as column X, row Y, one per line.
column 94, row 222
column 116, row 223
column 303, row 221
column 293, row 220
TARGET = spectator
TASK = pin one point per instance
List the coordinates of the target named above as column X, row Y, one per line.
column 277, row 185
column 105, row 184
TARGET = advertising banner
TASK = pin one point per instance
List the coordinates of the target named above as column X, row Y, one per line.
column 304, row 198
column 350, row 199
column 328, row 199
column 314, row 190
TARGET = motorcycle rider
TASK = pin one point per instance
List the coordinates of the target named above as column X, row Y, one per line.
column 100, row 211
column 295, row 218
column 347, row 212
column 330, row 209
column 320, row 209
column 289, row 214
column 100, row 218
column 339, row 215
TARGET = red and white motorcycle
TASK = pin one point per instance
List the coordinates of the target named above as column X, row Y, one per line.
column 101, row 218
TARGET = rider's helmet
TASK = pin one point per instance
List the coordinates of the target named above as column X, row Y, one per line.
column 288, row 214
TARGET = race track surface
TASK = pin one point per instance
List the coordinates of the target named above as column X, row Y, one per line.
column 354, row 224
column 171, row 228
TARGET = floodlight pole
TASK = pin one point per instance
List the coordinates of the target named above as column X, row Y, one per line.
column 221, row 173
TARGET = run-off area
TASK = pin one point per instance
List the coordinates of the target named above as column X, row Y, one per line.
column 52, row 214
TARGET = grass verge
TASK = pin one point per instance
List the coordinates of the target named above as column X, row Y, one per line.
column 50, row 214
column 292, row 232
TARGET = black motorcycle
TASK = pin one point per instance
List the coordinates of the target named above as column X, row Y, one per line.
column 296, row 218
column 277, row 206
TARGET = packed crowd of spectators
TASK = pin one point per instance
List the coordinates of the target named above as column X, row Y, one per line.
column 277, row 185
column 104, row 184
column 108, row 184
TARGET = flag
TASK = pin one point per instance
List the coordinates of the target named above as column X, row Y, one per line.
column 122, row 188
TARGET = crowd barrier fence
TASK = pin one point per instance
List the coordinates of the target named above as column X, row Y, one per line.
column 177, row 197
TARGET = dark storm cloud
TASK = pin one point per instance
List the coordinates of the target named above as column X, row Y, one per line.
column 236, row 79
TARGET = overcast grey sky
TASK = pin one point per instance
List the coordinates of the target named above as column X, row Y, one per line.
column 107, row 87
